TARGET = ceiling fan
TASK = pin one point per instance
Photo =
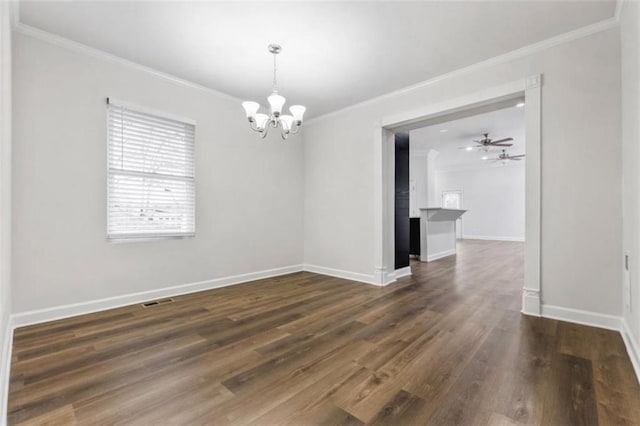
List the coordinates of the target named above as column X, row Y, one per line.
column 486, row 142
column 505, row 157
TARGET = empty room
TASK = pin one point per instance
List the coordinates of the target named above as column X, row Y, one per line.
column 307, row 212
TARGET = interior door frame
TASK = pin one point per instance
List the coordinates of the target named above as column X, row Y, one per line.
column 530, row 89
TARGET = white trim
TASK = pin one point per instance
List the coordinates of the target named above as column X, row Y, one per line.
column 339, row 273
column 577, row 316
column 436, row 256
column 531, row 302
column 618, row 10
column 5, row 364
column 14, row 6
column 59, row 312
column 402, row 272
column 496, row 60
column 533, row 187
column 99, row 54
column 150, row 111
column 513, row 89
column 633, row 349
column 492, row 238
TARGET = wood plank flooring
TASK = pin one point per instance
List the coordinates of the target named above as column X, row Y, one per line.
column 445, row 346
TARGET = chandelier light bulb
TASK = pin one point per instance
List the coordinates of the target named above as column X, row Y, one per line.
column 276, row 102
column 287, row 122
column 261, row 123
column 297, row 111
column 251, row 108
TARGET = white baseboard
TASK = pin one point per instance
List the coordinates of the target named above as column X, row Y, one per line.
column 65, row 311
column 492, row 238
column 578, row 316
column 403, row 272
column 531, row 302
column 339, row 273
column 633, row 349
column 610, row 322
column 5, row 364
column 436, row 256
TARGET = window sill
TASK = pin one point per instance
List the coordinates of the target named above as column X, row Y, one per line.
column 146, row 239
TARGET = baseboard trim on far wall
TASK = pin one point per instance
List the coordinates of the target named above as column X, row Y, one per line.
column 339, row 273
column 577, row 316
column 492, row 238
column 66, row 311
column 436, row 256
column 39, row 316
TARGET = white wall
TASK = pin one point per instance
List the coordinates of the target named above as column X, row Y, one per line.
column 581, row 194
column 248, row 191
column 493, row 196
column 5, row 199
column 630, row 36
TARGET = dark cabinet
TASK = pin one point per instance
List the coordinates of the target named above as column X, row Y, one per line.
column 414, row 236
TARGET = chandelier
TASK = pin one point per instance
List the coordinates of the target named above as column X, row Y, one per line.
column 261, row 123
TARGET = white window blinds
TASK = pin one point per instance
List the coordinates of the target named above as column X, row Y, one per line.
column 151, row 188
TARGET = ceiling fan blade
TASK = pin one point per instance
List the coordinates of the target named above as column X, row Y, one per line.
column 517, row 156
column 501, row 144
column 501, row 140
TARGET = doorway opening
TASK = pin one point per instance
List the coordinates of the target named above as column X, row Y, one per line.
column 489, row 100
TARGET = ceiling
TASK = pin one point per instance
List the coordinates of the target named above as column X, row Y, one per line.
column 503, row 123
column 334, row 54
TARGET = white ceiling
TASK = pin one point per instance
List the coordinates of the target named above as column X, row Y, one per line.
column 503, row 123
column 335, row 53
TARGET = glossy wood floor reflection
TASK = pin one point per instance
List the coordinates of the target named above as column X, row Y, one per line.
column 445, row 346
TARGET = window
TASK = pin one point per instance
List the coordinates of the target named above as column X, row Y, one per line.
column 452, row 199
column 151, row 188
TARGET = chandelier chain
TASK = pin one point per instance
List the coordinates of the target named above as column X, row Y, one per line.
column 275, row 81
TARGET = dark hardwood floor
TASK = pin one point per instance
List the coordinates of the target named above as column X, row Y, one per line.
column 445, row 346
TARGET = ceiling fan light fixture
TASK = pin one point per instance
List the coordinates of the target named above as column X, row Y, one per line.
column 288, row 124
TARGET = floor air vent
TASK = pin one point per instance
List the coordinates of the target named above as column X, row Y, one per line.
column 157, row 302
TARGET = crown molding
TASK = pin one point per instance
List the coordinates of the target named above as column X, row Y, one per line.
column 14, row 7
column 74, row 46
column 618, row 11
column 496, row 60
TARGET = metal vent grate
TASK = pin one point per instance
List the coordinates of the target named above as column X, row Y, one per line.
column 157, row 302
